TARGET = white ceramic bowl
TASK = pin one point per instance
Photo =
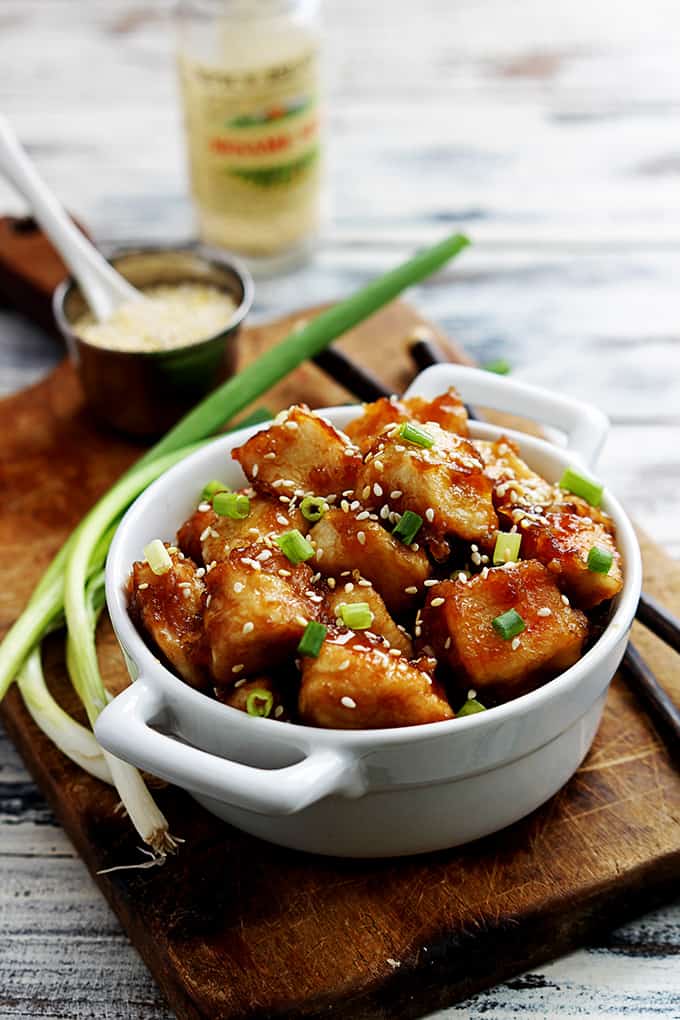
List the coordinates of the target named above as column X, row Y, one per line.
column 367, row 793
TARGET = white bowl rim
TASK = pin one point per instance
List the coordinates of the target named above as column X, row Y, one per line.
column 299, row 735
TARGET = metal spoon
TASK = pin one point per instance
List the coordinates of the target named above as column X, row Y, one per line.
column 102, row 287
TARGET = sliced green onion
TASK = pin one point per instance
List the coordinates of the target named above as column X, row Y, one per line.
column 259, row 702
column 600, row 560
column 500, row 366
column 470, row 707
column 509, row 624
column 158, row 557
column 507, row 546
column 582, row 486
column 414, row 434
column 295, row 546
column 313, row 508
column 356, row 615
column 408, row 527
column 232, row 504
column 212, row 488
column 312, row 639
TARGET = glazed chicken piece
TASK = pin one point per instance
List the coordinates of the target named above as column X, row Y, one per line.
column 170, row 607
column 383, row 624
column 344, row 543
column 444, row 483
column 356, row 682
column 515, row 485
column 300, row 453
column 238, row 695
column 447, row 410
column 207, row 536
column 562, row 542
column 457, row 625
column 258, row 607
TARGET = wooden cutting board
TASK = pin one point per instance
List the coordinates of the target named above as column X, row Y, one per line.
column 235, row 928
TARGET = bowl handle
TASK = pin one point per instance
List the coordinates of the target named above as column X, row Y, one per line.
column 124, row 729
column 585, row 426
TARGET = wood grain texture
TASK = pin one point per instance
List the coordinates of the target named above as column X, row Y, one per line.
column 233, row 927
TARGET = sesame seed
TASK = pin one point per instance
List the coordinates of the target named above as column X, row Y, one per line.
column 278, row 711
column 343, row 665
column 349, row 587
column 378, row 465
column 200, row 572
column 255, row 469
column 184, row 584
column 344, row 506
column 565, row 600
column 270, row 456
column 430, row 582
column 418, row 631
column 301, row 620
column 384, row 512
column 395, row 494
column 319, row 553
column 292, row 425
column 203, row 507
column 354, row 505
column 411, row 590
column 525, row 523
column 237, row 668
column 544, row 611
column 280, row 519
column 363, row 516
column 345, row 573
column 211, row 566
column 240, row 683
column 462, row 577
column 447, row 643
column 347, row 702
column 278, row 483
column 515, row 644
column 251, row 563
column 366, row 492
column 429, row 513
column 238, row 587
column 415, row 546
column 248, row 627
column 485, row 573
column 208, row 601
column 264, row 555
column 284, row 573
column 284, row 499
column 141, row 587
column 348, row 492
column 437, row 602
column 476, row 559
column 204, row 534
column 363, row 583
column 362, row 648
column 377, row 489
column 331, row 583
column 361, row 537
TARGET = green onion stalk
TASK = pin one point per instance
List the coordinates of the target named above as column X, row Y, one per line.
column 71, row 588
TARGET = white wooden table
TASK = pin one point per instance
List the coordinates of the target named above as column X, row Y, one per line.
column 548, row 132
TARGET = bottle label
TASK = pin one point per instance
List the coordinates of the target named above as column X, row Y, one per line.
column 252, row 134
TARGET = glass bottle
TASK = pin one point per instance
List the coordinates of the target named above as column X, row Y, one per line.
column 249, row 72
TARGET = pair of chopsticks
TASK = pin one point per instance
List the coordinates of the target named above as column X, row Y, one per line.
column 639, row 677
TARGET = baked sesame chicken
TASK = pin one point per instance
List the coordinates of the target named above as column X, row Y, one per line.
column 209, row 537
column 258, row 607
column 170, row 608
column 447, row 410
column 373, row 579
column 301, row 453
column 458, row 623
column 356, row 682
column 434, row 473
column 346, row 541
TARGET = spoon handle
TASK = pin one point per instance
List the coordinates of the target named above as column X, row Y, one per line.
column 101, row 285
